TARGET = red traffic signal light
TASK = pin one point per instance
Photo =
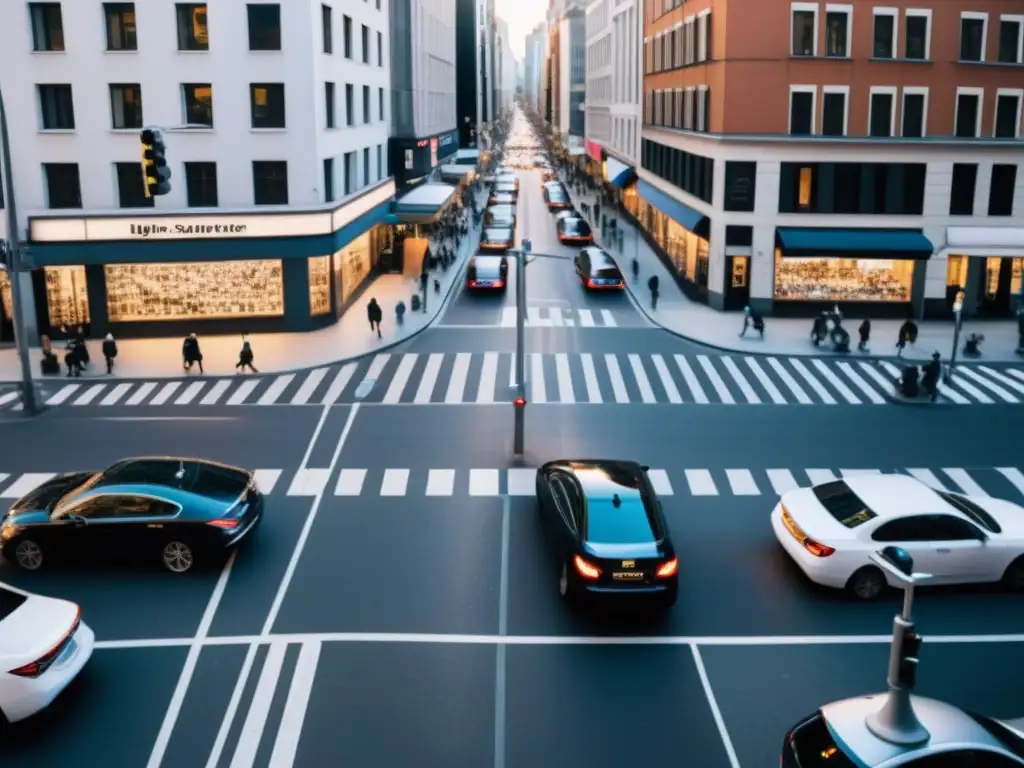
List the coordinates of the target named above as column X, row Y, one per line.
column 519, row 402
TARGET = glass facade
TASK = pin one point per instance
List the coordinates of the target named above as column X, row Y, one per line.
column 5, row 297
column 993, row 268
column 67, row 297
column 353, row 262
column 319, row 285
column 687, row 251
column 193, row 291
column 832, row 279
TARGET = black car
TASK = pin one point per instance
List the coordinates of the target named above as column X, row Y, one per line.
column 496, row 239
column 574, row 230
column 608, row 529
column 173, row 510
column 500, row 216
column 487, row 273
column 597, row 270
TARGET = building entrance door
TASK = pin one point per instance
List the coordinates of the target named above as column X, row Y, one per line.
column 737, row 287
column 1000, row 286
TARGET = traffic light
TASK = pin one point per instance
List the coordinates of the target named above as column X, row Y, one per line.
column 156, row 176
column 908, row 657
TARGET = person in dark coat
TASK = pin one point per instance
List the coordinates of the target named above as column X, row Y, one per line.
column 375, row 315
column 907, row 335
column 865, row 335
column 190, row 353
column 109, row 351
column 73, row 358
column 245, row 356
column 83, row 350
column 653, row 285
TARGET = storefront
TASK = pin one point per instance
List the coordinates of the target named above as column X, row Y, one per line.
column 158, row 275
column 6, row 308
column 413, row 160
column 987, row 264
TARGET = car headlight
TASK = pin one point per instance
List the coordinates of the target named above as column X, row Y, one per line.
column 8, row 530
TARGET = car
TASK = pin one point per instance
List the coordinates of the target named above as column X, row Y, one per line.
column 549, row 174
column 497, row 239
column 44, row 644
column 608, row 530
column 487, row 273
column 830, row 530
column 500, row 216
column 509, row 181
column 501, row 198
column 557, row 198
column 566, row 213
column 597, row 270
column 574, row 229
column 176, row 511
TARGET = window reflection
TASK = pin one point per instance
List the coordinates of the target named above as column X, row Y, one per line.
column 687, row 251
column 5, row 296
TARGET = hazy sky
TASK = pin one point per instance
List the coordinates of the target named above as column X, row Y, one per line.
column 522, row 16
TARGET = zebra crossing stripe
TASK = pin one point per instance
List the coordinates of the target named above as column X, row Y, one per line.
column 608, row 318
column 812, row 382
column 791, row 383
column 742, row 482
column 858, row 382
column 457, row 382
column 671, row 391
column 9, row 397
column 590, row 378
column 309, row 386
column 1014, row 476
column 286, row 745
column 538, row 387
column 691, row 380
column 276, row 388
column 716, row 381
column 429, row 379
column 266, row 479
column 782, row 481
column 165, row 393
column 259, row 707
column 90, row 394
column 660, row 482
column 929, row 478
column 350, row 482
column 970, row 389
column 488, row 378
column 773, row 392
column 642, row 382
column 216, row 392
column 586, row 318
column 965, row 482
column 116, row 394
column 844, row 391
column 994, row 388
column 141, row 393
column 618, row 383
column 1003, row 379
column 63, row 394
column 701, row 482
column 441, row 482
column 341, row 381
column 741, row 381
column 190, row 393
column 565, row 391
column 817, row 476
column 395, row 482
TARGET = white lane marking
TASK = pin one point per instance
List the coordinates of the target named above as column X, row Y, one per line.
column 766, row 383
column 999, row 392
column 844, row 473
column 741, row 481
column 116, row 394
column 891, row 369
column 1014, row 476
column 586, row 318
column 929, row 478
column 312, row 381
column 191, row 393
column 701, row 483
column 819, row 476
column 441, row 482
column 166, row 391
column 716, row 381
column 671, row 391
column 512, row 370
column 395, row 482
column 483, row 482
column 615, row 374
column 791, row 383
column 642, row 382
column 26, row 482
column 309, row 482
column 965, row 482
column 845, row 392
column 488, row 378
column 716, row 713
column 1003, row 379
column 966, row 386
column 259, row 708
column 7, row 397
column 508, row 317
column 590, row 378
column 741, row 380
column 3, row 478
column 276, row 389
column 1015, row 373
column 533, row 317
column 858, row 382
column 608, row 318
column 692, row 383
column 350, row 482
column 782, row 481
column 457, row 382
column 141, row 393
column 377, row 366
column 286, row 746
column 62, row 394
column 555, row 313
column 565, row 391
column 814, row 384
column 538, row 388
column 244, row 390
column 216, row 392
column 522, row 482
column 660, row 482
column 90, row 394
column 426, row 388
column 873, row 373
column 266, row 479
column 341, row 381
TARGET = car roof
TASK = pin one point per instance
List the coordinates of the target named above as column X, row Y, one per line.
column 894, row 496
column 598, row 256
column 494, row 230
column 487, row 260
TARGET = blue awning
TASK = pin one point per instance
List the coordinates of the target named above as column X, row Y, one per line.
column 423, row 204
column 853, row 243
column 690, row 219
column 618, row 174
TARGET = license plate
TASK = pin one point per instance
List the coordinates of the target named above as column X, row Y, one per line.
column 483, row 284
column 628, row 575
column 67, row 653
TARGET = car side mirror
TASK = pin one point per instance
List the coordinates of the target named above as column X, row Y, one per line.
column 645, row 469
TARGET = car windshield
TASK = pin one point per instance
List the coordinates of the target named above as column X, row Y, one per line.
column 574, row 226
column 209, row 480
column 971, row 510
column 10, row 601
column 608, row 273
column 485, row 269
column 843, row 504
column 498, row 235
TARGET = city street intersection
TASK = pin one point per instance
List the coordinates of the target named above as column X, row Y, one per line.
column 398, row 606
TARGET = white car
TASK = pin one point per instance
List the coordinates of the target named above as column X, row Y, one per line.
column 831, row 529
column 43, row 646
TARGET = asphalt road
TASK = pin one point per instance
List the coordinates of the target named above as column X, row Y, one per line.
column 399, row 605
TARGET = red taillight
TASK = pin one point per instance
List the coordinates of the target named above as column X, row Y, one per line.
column 665, row 570
column 498, row 284
column 224, row 523
column 585, row 569
column 817, row 549
column 472, row 283
column 590, row 284
column 40, row 665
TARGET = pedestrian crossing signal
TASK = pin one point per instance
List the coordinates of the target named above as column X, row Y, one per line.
column 156, row 176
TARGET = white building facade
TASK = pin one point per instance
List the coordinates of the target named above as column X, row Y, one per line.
column 614, row 53
column 506, row 68
column 533, row 66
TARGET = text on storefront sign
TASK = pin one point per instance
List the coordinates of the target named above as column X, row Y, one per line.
column 149, row 230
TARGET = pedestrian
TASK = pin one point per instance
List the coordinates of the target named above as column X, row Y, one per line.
column 190, row 354
column 375, row 315
column 245, row 356
column 653, row 285
column 746, row 321
column 109, row 351
column 865, row 335
column 49, row 365
column 83, row 350
column 73, row 358
column 636, row 269
column 907, row 335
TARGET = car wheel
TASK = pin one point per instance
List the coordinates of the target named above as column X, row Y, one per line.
column 178, row 557
column 867, row 583
column 1014, row 576
column 563, row 581
column 28, row 555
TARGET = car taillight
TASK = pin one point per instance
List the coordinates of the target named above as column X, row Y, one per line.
column 670, row 568
column 814, row 547
column 585, row 569
column 817, row 549
column 590, row 284
column 498, row 284
column 472, row 283
column 224, row 522
column 36, row 668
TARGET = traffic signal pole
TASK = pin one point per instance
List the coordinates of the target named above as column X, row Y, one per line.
column 519, row 437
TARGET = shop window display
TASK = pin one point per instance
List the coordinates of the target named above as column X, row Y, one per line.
column 194, row 291
column 687, row 251
column 354, row 263
column 319, row 285
column 5, row 296
column 67, row 297
column 830, row 279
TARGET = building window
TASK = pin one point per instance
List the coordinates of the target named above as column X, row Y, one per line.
column 973, row 31
column 1000, row 193
column 365, row 41
column 328, row 179
column 267, row 104
column 801, row 109
column 837, row 30
column 326, row 28
column 120, row 19
column 47, row 27
column 350, row 172
column 198, row 104
column 131, row 190
column 740, row 185
column 380, row 104
column 270, row 182
column 193, row 34
column 917, row 42
column 56, row 108
column 347, row 33
column 881, row 111
column 350, row 105
column 67, row 296
column 366, row 167
column 319, row 285
column 895, row 189
column 915, row 113
column 804, row 23
column 961, row 198
column 201, row 185
column 366, row 104
column 1011, row 39
column 884, row 34
column 264, row 26
column 380, row 162
column 968, row 112
column 329, row 107
column 126, row 106
column 703, row 25
column 380, row 50
column 1008, row 108
column 63, row 185
column 833, row 110
column 843, row 280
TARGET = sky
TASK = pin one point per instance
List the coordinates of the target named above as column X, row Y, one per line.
column 522, row 16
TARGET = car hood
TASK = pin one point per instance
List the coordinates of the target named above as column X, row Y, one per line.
column 41, row 497
column 35, row 627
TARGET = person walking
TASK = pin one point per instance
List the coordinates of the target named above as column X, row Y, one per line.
column 865, row 335
column 109, row 351
column 375, row 315
column 653, row 284
column 190, row 354
column 245, row 356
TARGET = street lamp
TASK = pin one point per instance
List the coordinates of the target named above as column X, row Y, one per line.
column 519, row 404
column 958, row 314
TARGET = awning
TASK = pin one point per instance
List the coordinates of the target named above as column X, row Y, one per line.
column 453, row 174
column 618, row 174
column 690, row 218
column 985, row 238
column 424, row 203
column 853, row 243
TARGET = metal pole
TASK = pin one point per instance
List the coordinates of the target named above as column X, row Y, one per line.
column 28, row 390
column 520, row 415
column 956, row 343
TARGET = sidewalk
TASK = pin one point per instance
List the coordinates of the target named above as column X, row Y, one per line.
column 350, row 337
column 698, row 322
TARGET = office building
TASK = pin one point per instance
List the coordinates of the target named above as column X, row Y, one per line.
column 506, row 67
column 474, row 48
column 533, row 65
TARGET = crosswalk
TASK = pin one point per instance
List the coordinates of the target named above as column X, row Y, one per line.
column 558, row 378
column 396, row 482
column 560, row 317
